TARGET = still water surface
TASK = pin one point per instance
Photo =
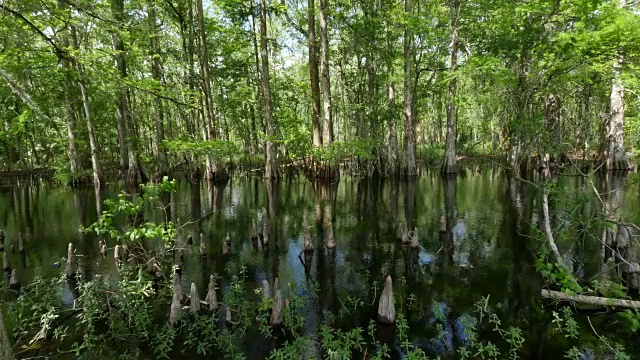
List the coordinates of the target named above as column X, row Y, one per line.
column 488, row 253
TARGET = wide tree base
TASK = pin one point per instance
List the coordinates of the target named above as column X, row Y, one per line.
column 218, row 176
column 449, row 167
column 323, row 171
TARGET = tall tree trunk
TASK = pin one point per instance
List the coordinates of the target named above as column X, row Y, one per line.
column 156, row 73
column 254, row 129
column 586, row 121
column 69, row 91
column 392, row 152
column 614, row 153
column 98, row 178
column 449, row 165
column 210, row 130
column 74, row 166
column 313, row 74
column 270, row 167
column 409, row 125
column 258, row 81
column 327, row 127
column 125, row 122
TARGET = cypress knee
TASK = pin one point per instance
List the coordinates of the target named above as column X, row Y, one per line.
column 622, row 239
column 266, row 292
column 405, row 236
column 14, row 283
column 71, row 262
column 265, row 228
column 276, row 310
column 20, row 244
column 400, row 231
column 386, row 307
column 226, row 248
column 212, row 297
column 415, row 242
column 203, row 245
column 177, row 286
column 194, row 306
column 227, row 317
column 176, row 309
column 5, row 263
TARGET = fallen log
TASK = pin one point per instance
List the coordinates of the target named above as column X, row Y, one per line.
column 591, row 300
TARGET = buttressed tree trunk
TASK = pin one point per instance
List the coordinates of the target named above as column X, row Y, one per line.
column 313, row 74
column 409, row 126
column 270, row 167
column 449, row 165
column 134, row 175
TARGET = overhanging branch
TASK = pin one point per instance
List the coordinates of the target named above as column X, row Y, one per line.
column 60, row 53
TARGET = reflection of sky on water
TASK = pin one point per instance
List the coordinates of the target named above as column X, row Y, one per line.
column 426, row 258
column 455, row 335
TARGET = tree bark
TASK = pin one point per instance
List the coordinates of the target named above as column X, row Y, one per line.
column 449, row 165
column 5, row 344
column 98, row 178
column 156, row 73
column 270, row 168
column 69, row 91
column 614, row 154
column 409, row 126
column 327, row 127
column 134, row 175
column 392, row 151
column 313, row 74
column 258, row 80
column 210, row 126
column 547, row 228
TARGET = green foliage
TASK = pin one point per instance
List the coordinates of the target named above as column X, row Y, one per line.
column 337, row 151
column 557, row 274
column 115, row 224
column 217, row 150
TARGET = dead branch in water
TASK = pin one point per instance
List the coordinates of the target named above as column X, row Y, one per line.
column 590, row 300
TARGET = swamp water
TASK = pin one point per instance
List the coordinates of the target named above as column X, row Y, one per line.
column 487, row 254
